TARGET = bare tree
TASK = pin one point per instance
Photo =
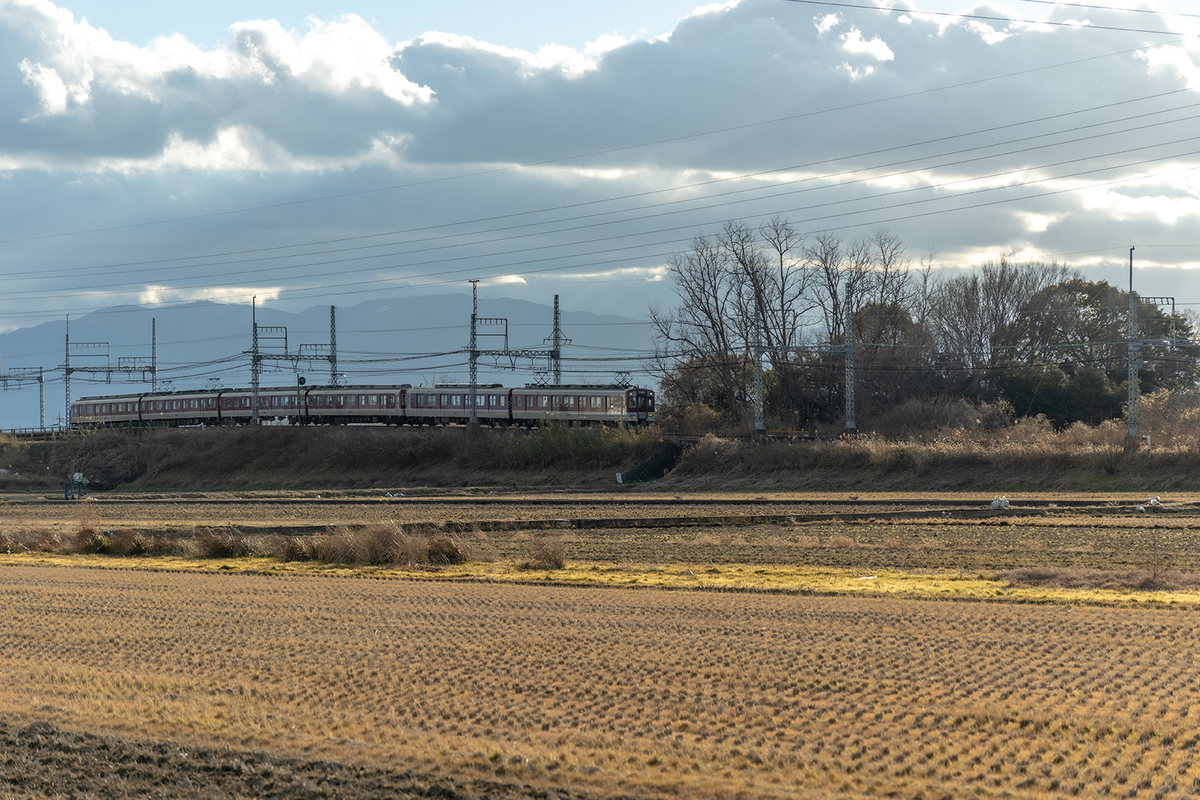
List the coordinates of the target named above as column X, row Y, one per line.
column 969, row 311
column 706, row 330
column 734, row 286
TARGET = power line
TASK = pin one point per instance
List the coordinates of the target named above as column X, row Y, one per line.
column 988, row 17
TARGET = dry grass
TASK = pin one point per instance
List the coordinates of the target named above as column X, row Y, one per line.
column 618, row 691
column 546, row 554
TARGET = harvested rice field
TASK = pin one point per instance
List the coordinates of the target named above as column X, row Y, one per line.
column 255, row 677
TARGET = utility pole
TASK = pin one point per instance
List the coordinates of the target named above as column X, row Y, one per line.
column 67, row 372
column 154, row 354
column 255, row 361
column 1132, row 435
column 756, row 344
column 474, row 368
column 556, row 342
column 851, row 427
column 333, row 365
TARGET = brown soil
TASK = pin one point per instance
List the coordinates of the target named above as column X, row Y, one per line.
column 41, row 760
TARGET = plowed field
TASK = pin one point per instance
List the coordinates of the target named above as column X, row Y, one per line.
column 119, row 682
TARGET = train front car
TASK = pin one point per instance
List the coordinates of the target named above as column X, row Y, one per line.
column 586, row 404
column 640, row 405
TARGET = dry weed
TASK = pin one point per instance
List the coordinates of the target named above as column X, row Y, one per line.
column 545, row 554
column 223, row 543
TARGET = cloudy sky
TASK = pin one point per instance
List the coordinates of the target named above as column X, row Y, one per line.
column 316, row 152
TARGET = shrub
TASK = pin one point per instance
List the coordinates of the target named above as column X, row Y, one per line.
column 444, row 551
column 545, row 554
column 226, row 543
column 899, row 459
column 90, row 540
column 296, row 548
column 129, row 542
column 374, row 545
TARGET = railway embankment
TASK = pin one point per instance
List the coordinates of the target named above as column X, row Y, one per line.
column 588, row 459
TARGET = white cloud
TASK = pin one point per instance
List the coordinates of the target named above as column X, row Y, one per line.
column 495, row 162
column 1037, row 223
column 52, row 92
column 157, row 295
column 876, row 48
column 1175, row 60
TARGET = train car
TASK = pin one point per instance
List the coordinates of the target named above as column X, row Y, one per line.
column 450, row 403
column 361, row 405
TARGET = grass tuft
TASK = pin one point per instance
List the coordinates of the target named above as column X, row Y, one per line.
column 545, row 554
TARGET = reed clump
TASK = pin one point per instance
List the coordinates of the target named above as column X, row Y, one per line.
column 372, row 545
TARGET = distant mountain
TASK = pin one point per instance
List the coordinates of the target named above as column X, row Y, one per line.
column 417, row 340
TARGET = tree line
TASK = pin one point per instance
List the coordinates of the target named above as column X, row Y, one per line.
column 1035, row 335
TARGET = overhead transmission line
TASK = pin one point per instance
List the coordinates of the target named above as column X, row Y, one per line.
column 990, row 17
column 612, row 150
column 156, row 266
column 869, row 178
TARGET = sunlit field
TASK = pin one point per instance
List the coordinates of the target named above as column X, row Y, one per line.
column 617, row 690
column 759, row 647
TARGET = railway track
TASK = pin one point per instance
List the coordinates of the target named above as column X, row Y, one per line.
column 956, row 502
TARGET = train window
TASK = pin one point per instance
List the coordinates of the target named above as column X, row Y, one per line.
column 543, row 401
column 457, row 400
column 373, row 400
column 362, row 401
column 568, row 401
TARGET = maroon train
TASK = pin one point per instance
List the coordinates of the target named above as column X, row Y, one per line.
column 387, row 405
